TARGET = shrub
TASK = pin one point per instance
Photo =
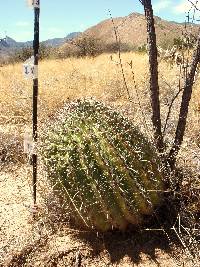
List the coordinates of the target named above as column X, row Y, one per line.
column 114, row 47
column 88, row 46
column 67, row 50
column 11, row 150
column 21, row 54
column 142, row 48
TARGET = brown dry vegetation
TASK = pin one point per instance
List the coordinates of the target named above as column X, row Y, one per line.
column 48, row 240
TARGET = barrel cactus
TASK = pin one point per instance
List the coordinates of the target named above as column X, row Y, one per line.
column 103, row 166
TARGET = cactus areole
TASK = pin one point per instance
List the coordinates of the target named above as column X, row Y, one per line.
column 102, row 166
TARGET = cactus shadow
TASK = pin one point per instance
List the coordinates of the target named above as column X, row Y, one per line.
column 137, row 244
column 133, row 244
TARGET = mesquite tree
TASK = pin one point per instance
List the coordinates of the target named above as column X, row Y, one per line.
column 154, row 86
column 154, row 89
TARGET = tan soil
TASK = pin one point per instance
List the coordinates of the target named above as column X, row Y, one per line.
column 41, row 242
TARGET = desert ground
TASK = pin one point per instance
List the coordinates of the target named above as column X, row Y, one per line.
column 47, row 238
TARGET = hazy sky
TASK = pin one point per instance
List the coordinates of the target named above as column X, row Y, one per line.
column 60, row 17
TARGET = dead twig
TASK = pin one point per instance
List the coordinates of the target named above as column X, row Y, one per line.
column 194, row 5
column 78, row 259
column 137, row 94
column 119, row 55
column 171, row 105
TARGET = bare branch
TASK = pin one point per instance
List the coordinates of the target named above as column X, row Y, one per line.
column 170, row 108
column 153, row 68
column 187, row 92
column 117, row 38
column 174, row 98
column 138, row 98
column 194, row 5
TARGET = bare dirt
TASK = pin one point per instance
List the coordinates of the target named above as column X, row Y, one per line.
column 46, row 240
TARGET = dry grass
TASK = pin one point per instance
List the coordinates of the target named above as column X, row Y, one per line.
column 61, row 81
column 65, row 80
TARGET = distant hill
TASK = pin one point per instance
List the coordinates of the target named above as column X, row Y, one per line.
column 8, row 45
column 60, row 41
column 132, row 30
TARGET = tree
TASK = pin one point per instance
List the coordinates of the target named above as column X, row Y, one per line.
column 154, row 89
column 22, row 54
column 187, row 93
column 153, row 68
column 88, row 46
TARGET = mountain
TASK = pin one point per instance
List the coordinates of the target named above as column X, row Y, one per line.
column 5, row 46
column 60, row 41
column 8, row 44
column 11, row 43
column 132, row 30
column 73, row 35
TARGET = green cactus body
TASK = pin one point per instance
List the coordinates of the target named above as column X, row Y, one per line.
column 103, row 166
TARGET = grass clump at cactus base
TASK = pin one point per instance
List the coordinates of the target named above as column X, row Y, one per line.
column 102, row 166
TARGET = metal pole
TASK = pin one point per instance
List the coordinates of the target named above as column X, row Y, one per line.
column 35, row 97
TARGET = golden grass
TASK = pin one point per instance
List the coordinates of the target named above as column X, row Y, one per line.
column 100, row 77
column 63, row 80
column 72, row 78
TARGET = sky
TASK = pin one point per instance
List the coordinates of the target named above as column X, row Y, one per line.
column 60, row 17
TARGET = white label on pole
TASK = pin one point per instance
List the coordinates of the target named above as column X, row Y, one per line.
column 30, row 70
column 35, row 72
column 28, row 144
column 34, row 3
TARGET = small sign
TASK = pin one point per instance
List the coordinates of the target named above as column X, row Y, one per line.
column 28, row 144
column 30, row 70
column 34, row 3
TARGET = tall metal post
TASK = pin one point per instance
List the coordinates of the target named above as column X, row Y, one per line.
column 35, row 96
